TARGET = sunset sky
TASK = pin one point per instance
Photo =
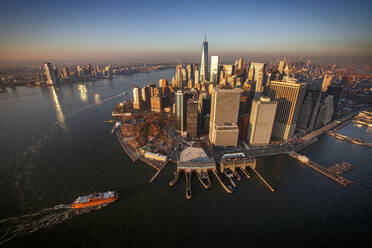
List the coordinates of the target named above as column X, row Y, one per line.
column 96, row 30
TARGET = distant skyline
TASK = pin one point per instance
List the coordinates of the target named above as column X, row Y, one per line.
column 166, row 30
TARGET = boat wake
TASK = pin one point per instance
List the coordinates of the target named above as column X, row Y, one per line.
column 93, row 104
column 13, row 227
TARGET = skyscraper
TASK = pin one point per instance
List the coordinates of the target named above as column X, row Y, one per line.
column 251, row 74
column 289, row 95
column 257, row 68
column 196, row 73
column 49, row 71
column 281, row 67
column 204, row 60
column 192, row 118
column 326, row 82
column 259, row 84
column 181, row 110
column 240, row 63
column 179, row 76
column 137, row 99
column 261, row 121
column 190, row 72
column 214, row 69
column 146, row 96
column 223, row 129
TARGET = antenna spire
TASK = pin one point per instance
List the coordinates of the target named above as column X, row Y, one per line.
column 205, row 35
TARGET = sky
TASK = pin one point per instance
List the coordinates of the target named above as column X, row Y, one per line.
column 170, row 30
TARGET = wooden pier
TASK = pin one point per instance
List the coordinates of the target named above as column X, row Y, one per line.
column 263, row 180
column 222, row 184
column 341, row 180
column 352, row 140
column 176, row 175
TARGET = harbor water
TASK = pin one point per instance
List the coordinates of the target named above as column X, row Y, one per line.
column 55, row 146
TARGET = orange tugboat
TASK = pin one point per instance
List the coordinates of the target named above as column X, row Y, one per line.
column 95, row 199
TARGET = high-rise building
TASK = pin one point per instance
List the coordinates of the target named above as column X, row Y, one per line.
column 243, row 125
column 137, row 98
column 309, row 110
column 163, row 83
column 251, row 74
column 325, row 112
column 223, row 129
column 326, row 82
column 214, row 69
column 49, row 71
column 190, row 72
column 259, row 84
column 257, row 68
column 240, row 63
column 179, row 76
column 146, row 96
column 261, row 121
column 281, row 67
column 335, row 90
column 181, row 109
column 204, row 61
column 192, row 118
column 289, row 95
column 184, row 76
column 156, row 104
column 196, row 73
column 227, row 70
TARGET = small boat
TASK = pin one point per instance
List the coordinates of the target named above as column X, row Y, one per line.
column 124, row 93
column 95, row 199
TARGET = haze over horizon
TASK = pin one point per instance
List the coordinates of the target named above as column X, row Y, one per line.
column 166, row 30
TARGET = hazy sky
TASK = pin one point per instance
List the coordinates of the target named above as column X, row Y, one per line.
column 93, row 30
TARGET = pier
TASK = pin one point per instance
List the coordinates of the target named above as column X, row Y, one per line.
column 352, row 140
column 245, row 172
column 204, row 175
column 227, row 189
column 176, row 175
column 188, row 185
column 263, row 180
column 305, row 160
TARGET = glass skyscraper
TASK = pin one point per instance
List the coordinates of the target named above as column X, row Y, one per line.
column 204, row 61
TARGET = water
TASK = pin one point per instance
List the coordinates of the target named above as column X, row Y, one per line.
column 55, row 146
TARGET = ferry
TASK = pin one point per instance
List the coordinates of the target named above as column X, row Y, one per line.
column 117, row 125
column 95, row 199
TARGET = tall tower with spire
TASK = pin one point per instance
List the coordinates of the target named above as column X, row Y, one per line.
column 204, row 59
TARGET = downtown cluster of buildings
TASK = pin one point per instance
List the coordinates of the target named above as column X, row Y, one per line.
column 258, row 103
column 49, row 74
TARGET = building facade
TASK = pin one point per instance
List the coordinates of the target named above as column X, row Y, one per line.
column 289, row 95
column 223, row 129
column 261, row 121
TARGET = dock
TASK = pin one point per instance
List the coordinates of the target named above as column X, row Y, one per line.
column 176, row 175
column 263, row 180
column 245, row 172
column 222, row 184
column 188, row 185
column 341, row 180
column 352, row 140
column 205, row 175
